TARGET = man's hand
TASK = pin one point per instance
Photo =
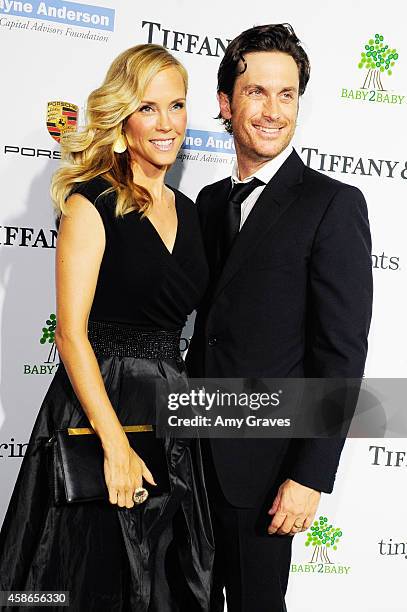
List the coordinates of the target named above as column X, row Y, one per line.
column 294, row 508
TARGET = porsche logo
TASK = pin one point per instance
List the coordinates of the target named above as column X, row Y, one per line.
column 62, row 117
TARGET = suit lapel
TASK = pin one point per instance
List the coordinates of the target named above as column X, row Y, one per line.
column 283, row 189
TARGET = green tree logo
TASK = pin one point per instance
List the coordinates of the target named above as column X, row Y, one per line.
column 323, row 537
column 377, row 58
column 48, row 335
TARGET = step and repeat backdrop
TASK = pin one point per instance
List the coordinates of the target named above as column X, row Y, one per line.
column 351, row 126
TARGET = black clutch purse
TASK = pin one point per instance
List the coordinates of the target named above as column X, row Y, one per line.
column 75, row 463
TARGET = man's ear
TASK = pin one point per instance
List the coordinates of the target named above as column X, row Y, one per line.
column 224, row 105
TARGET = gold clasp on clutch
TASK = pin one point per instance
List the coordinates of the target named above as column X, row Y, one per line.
column 80, row 431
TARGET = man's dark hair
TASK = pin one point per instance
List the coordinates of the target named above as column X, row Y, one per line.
column 273, row 37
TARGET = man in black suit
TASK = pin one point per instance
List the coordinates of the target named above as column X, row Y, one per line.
column 290, row 295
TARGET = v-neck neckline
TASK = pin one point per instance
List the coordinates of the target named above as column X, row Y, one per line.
column 170, row 253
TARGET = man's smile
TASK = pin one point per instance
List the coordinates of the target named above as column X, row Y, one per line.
column 272, row 131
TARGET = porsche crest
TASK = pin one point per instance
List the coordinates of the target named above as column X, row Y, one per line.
column 62, row 117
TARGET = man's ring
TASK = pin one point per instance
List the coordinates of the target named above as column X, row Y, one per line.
column 140, row 495
column 298, row 526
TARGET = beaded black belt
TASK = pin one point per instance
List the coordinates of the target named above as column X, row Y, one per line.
column 108, row 338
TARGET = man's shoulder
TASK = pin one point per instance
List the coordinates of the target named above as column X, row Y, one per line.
column 332, row 200
column 210, row 192
column 326, row 187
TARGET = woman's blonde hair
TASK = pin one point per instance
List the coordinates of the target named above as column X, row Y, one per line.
column 90, row 153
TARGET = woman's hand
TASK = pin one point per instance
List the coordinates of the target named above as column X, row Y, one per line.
column 124, row 472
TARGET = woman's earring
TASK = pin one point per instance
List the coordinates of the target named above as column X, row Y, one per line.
column 120, row 145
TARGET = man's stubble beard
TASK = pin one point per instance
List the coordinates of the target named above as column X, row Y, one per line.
column 244, row 149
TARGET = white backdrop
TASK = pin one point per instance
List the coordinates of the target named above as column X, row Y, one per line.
column 59, row 51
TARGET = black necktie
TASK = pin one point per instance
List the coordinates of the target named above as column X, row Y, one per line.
column 237, row 195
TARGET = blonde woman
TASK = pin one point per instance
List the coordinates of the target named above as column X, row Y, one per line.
column 130, row 267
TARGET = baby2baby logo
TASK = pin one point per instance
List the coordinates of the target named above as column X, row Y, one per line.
column 51, row 363
column 322, row 540
column 377, row 62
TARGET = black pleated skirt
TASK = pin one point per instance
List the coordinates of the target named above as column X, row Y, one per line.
column 155, row 557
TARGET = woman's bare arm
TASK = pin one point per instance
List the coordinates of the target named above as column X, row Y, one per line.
column 79, row 252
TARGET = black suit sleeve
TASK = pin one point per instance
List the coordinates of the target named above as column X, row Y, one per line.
column 201, row 205
column 339, row 313
column 195, row 357
column 340, row 289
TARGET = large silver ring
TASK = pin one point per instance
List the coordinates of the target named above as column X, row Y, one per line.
column 140, row 495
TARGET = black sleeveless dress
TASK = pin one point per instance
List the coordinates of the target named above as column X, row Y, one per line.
column 157, row 556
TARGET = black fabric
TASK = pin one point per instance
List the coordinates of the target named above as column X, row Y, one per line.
column 140, row 282
column 109, row 338
column 238, row 194
column 156, row 557
column 293, row 299
column 104, row 555
column 250, row 564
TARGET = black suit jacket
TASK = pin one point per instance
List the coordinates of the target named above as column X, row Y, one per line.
column 292, row 300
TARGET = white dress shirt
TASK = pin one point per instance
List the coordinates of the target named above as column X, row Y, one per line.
column 265, row 174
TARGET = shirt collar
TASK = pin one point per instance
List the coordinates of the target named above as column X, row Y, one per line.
column 266, row 172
